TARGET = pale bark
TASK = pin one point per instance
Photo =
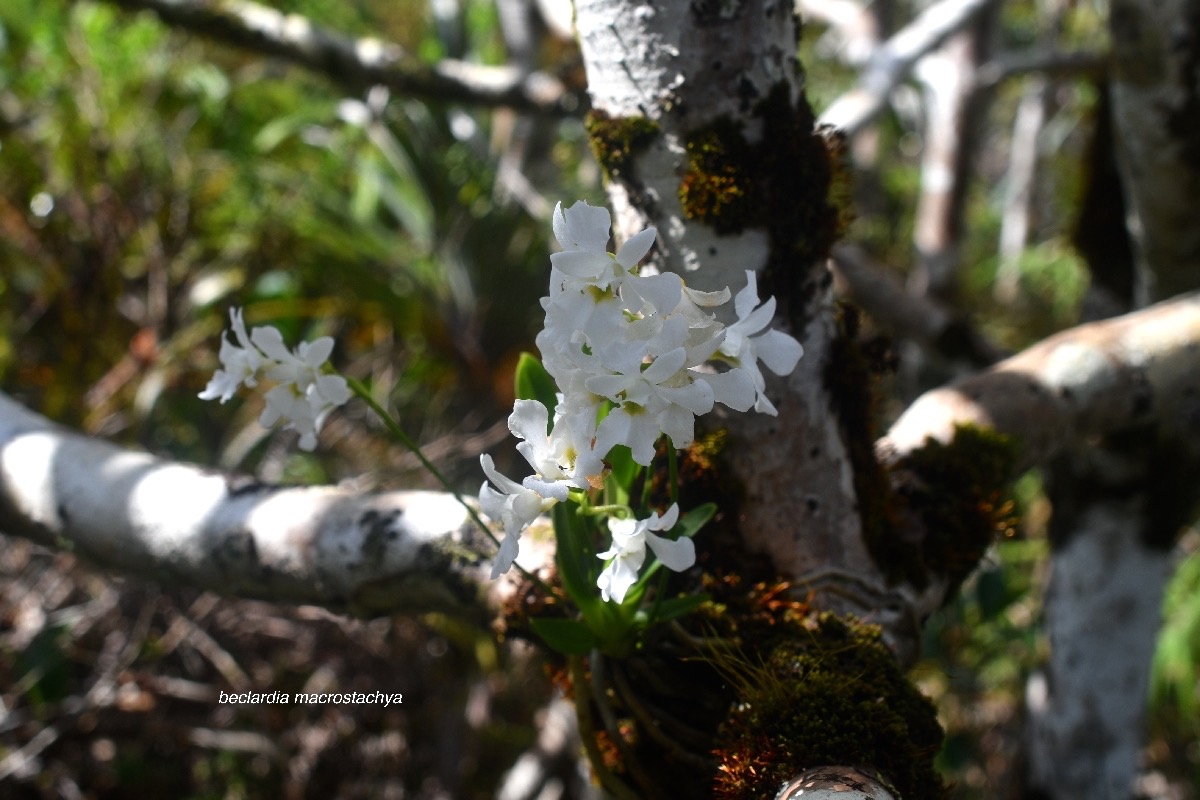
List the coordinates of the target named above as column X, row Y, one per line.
column 952, row 112
column 363, row 554
column 1020, row 187
column 683, row 65
column 686, row 66
column 1116, row 519
column 684, row 71
column 1102, row 610
column 834, row 783
column 666, row 65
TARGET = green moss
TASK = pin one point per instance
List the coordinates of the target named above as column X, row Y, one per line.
column 850, row 377
column 718, row 186
column 958, row 491
column 937, row 510
column 615, row 140
column 831, row 695
column 789, row 183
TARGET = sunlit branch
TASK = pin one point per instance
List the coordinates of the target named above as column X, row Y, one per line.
column 1094, row 379
column 361, row 63
column 362, row 553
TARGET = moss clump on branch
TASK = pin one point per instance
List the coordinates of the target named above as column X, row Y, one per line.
column 935, row 511
column 718, row 186
column 788, row 182
column 831, row 695
column 959, row 492
column 615, row 140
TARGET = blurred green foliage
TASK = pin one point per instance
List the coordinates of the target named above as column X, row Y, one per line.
column 166, row 179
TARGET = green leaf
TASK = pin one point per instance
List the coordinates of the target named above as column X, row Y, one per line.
column 567, row 636
column 678, row 606
column 692, row 521
column 532, row 382
column 624, row 468
column 623, row 473
column 572, row 535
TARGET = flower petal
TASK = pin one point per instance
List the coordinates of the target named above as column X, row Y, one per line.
column 504, row 484
column 582, row 264
column 733, row 389
column 333, row 389
column 635, row 249
column 675, row 554
column 660, row 292
column 316, row 352
column 747, row 298
column 779, row 351
column 582, row 227
column 506, row 555
column 666, row 521
column 270, row 341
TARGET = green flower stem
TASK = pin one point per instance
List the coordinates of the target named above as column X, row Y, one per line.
column 394, row 428
column 673, row 470
column 614, row 510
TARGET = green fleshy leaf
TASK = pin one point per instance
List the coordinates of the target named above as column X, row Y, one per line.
column 572, row 537
column 692, row 521
column 533, row 382
column 567, row 636
column 624, row 471
column 678, row 606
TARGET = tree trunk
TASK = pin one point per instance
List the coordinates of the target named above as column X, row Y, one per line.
column 1124, row 499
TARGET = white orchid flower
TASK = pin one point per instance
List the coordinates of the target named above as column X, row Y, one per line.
column 630, row 538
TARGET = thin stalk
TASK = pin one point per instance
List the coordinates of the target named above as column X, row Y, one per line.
column 394, row 428
column 673, row 470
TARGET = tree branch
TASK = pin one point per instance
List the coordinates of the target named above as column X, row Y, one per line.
column 365, row 554
column 893, row 62
column 1094, row 379
column 908, row 316
column 1047, row 63
column 359, row 64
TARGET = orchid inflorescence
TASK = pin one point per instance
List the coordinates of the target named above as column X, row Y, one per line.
column 303, row 395
column 631, row 357
column 634, row 357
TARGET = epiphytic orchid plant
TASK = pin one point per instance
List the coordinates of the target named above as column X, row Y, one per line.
column 627, row 359
column 628, row 363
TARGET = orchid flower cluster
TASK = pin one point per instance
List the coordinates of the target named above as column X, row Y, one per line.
column 303, row 395
column 633, row 357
